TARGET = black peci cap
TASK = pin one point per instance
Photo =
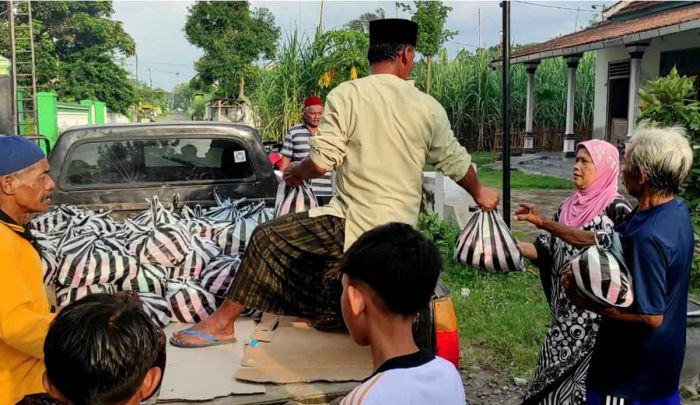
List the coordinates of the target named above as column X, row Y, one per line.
column 393, row 31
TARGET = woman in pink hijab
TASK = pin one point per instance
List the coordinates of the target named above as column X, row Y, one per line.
column 596, row 205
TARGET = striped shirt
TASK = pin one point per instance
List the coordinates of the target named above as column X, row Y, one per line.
column 414, row 379
column 296, row 147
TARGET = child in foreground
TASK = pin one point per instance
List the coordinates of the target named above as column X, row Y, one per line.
column 103, row 350
column 389, row 275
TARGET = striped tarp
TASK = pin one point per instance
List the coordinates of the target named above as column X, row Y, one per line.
column 486, row 243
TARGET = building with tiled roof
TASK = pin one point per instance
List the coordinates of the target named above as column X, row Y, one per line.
column 636, row 42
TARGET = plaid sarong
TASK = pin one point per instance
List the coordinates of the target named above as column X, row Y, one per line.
column 291, row 267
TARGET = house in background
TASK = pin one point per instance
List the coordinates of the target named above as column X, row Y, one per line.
column 637, row 41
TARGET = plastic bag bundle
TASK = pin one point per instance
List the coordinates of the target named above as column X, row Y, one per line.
column 68, row 295
column 202, row 252
column 233, row 238
column 151, row 278
column 157, row 308
column 166, row 241
column 601, row 274
column 258, row 213
column 294, row 199
column 101, row 223
column 189, row 301
column 88, row 259
column 47, row 251
column 225, row 209
column 47, row 221
column 218, row 275
column 486, row 243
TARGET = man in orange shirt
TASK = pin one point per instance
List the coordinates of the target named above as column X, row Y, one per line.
column 25, row 188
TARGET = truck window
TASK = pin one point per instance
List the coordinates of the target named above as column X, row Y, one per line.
column 158, row 161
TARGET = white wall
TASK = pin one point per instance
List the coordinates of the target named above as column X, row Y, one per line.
column 650, row 69
column 68, row 119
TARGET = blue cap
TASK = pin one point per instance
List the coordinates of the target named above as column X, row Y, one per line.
column 17, row 153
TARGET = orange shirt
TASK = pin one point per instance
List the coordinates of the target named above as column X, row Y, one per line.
column 24, row 315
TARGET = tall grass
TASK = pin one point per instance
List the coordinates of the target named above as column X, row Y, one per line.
column 467, row 86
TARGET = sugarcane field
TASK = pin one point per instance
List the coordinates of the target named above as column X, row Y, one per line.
column 351, row 203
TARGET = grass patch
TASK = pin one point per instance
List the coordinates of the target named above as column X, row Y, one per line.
column 521, row 181
column 518, row 180
column 503, row 321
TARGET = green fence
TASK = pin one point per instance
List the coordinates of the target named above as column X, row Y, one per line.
column 54, row 117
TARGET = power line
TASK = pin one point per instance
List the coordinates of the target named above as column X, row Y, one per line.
column 557, row 7
column 462, row 43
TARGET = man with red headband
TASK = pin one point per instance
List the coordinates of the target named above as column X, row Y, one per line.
column 296, row 147
column 377, row 133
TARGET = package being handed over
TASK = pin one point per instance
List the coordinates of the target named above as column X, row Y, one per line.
column 486, row 243
column 294, row 199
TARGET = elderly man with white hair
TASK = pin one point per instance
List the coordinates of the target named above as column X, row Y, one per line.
column 639, row 350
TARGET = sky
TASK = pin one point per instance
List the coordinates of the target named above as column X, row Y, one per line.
column 166, row 58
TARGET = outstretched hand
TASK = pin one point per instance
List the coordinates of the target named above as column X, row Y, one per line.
column 529, row 213
column 291, row 175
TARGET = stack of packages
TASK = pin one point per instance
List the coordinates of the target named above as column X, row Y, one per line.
column 181, row 265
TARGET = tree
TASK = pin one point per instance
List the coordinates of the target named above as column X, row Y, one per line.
column 672, row 100
column 233, row 37
column 432, row 35
column 76, row 43
column 361, row 23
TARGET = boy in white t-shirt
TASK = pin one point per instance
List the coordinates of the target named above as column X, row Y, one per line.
column 389, row 275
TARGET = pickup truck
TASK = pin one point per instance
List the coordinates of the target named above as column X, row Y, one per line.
column 116, row 167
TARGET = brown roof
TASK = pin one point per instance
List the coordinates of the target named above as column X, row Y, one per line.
column 634, row 6
column 610, row 30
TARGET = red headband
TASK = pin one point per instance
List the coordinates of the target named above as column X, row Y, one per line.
column 312, row 100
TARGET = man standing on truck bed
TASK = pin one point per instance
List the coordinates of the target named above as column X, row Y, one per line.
column 296, row 147
column 378, row 133
column 25, row 188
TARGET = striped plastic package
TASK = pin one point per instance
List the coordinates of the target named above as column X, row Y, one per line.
column 157, row 308
column 165, row 241
column 150, row 279
column 88, row 259
column 68, row 295
column 294, row 199
column 601, row 274
column 486, row 243
column 47, row 251
column 189, row 301
column 218, row 275
column 202, row 252
column 47, row 221
column 233, row 238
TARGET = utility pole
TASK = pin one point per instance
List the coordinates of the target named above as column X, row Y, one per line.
column 320, row 21
column 150, row 78
column 576, row 22
column 478, row 13
column 506, row 111
column 138, row 101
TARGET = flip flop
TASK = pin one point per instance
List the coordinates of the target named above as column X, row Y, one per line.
column 212, row 341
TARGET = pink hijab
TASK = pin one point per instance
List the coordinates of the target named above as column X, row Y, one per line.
column 584, row 205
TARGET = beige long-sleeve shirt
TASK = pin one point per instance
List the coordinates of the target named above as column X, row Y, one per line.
column 378, row 133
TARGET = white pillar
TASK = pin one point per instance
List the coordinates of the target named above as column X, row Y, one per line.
column 636, row 53
column 569, row 137
column 529, row 139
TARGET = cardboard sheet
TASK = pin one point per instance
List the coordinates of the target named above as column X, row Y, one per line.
column 299, row 353
column 206, row 373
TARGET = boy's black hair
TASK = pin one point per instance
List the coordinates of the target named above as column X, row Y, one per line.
column 99, row 349
column 398, row 263
column 384, row 52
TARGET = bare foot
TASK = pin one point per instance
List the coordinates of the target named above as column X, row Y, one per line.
column 220, row 325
